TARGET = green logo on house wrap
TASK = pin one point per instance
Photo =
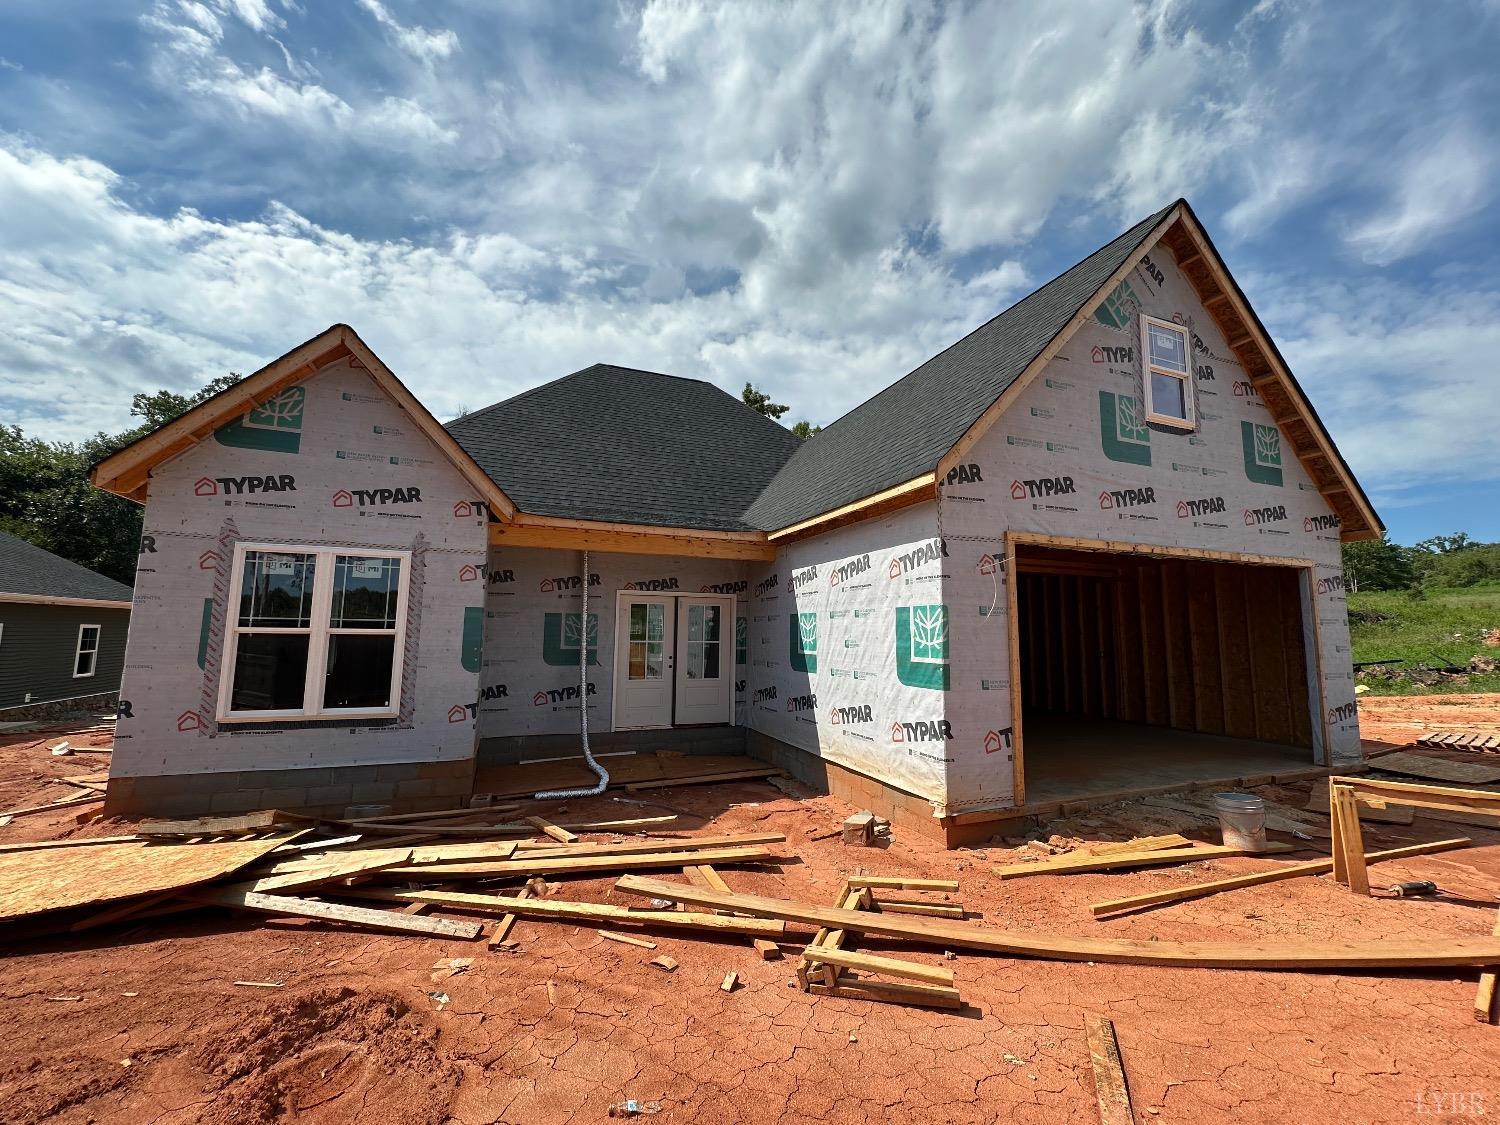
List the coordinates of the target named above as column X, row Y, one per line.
column 922, row 646
column 275, row 426
column 1116, row 310
column 804, row 641
column 1262, row 447
column 562, row 634
column 1122, row 435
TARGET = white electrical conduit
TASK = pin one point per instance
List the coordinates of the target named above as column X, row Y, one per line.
column 583, row 704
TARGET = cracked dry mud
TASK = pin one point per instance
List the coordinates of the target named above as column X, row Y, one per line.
column 353, row 1036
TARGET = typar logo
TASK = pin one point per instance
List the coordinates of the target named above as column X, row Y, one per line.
column 459, row 712
column 725, row 587
column 850, row 716
column 1123, row 436
column 1320, row 523
column 922, row 730
column 922, row 646
column 765, row 694
column 988, row 564
column 567, row 582
column 562, row 637
column 189, row 721
column 1244, row 388
column 1204, row 506
column 466, row 509
column 804, row 641
column 930, row 552
column 1043, row 487
column 208, row 560
column 802, row 578
column 1102, row 354
column 650, row 584
column 766, row 585
column 470, row 573
column 376, row 497
column 563, row 695
column 1333, row 584
column 1113, row 498
column 1262, row 449
column 499, row 577
column 493, row 692
column 241, row 486
column 1343, row 713
column 998, row 740
column 964, row 474
column 838, row 575
column 798, row 703
column 1256, row 517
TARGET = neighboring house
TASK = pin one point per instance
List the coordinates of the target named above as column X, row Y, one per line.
column 1092, row 546
column 62, row 633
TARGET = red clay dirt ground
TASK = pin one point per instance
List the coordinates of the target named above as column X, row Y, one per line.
column 570, row 1024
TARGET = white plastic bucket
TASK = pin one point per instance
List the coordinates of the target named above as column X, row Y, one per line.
column 1242, row 818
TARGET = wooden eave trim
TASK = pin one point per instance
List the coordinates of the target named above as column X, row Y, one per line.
column 47, row 599
column 909, row 492
column 529, row 519
column 1253, row 335
column 549, row 533
column 992, row 414
column 1130, row 547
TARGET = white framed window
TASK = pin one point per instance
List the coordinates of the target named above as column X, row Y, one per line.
column 313, row 632
column 1168, row 373
column 86, row 655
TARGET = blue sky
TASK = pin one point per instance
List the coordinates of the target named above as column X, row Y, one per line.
column 813, row 197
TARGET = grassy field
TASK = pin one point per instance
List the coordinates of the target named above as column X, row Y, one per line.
column 1446, row 627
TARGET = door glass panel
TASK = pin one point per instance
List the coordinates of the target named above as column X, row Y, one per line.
column 695, row 623
column 646, row 651
column 703, row 642
column 655, row 630
column 637, row 660
column 711, row 623
column 637, row 622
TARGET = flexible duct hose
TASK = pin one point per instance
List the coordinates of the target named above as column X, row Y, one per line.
column 583, row 704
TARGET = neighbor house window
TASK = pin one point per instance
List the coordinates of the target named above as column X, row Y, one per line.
column 314, row 632
column 1168, row 373
column 86, row 658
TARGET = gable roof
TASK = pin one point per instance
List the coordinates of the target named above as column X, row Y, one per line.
column 906, row 429
column 35, row 574
column 127, row 471
column 620, row 445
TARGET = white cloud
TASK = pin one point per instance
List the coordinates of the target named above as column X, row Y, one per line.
column 418, row 42
column 1435, row 188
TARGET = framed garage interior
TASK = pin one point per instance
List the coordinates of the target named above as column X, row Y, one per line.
column 674, row 660
column 1136, row 666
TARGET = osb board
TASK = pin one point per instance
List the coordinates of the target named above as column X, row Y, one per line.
column 1437, row 769
column 37, row 882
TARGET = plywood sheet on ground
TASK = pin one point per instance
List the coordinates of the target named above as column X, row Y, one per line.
column 41, row 881
column 525, row 780
column 1437, row 769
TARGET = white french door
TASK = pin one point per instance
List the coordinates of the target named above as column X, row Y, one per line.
column 674, row 661
column 705, row 660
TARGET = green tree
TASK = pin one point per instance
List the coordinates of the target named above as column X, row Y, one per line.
column 761, row 403
column 46, row 497
column 806, row 429
column 1378, row 564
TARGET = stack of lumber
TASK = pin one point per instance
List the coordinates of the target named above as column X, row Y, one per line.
column 1462, row 740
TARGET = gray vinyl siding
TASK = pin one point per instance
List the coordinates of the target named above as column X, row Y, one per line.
column 38, row 645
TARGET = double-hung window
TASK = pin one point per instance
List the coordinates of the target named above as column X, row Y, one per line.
column 86, row 654
column 1168, row 373
column 314, row 632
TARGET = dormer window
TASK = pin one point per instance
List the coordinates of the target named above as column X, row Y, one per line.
column 1168, row 381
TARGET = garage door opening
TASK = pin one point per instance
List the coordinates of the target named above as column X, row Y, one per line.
column 1141, row 671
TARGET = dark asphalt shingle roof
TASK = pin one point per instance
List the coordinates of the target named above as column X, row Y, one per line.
column 621, row 445
column 627, row 446
column 26, row 568
column 904, row 431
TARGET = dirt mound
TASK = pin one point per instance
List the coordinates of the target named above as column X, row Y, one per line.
column 327, row 1055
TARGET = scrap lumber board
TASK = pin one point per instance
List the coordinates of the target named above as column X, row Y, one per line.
column 503, row 927
column 1069, row 864
column 1109, row 1073
column 626, row 939
column 587, row 911
column 336, row 912
column 263, row 820
column 527, row 780
column 1460, row 740
column 708, row 779
column 65, row 803
column 1484, row 998
column 902, row 883
column 1256, row 878
column 684, row 844
column 34, row 882
column 1348, row 840
column 1278, row 818
column 527, row 864
column 851, row 987
column 930, row 909
column 1391, row 814
column 1139, row 844
column 407, row 817
column 1373, row 793
column 1436, row 769
column 881, row 966
column 343, row 865
column 1430, row 952
column 45, row 845
column 561, row 835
